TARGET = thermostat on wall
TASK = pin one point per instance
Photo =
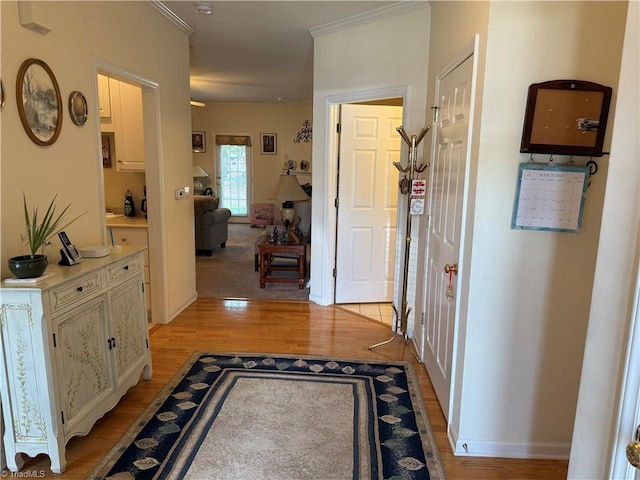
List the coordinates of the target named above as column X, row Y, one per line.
column 94, row 251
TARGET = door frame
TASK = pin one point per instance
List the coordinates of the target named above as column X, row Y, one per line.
column 153, row 177
column 471, row 49
column 333, row 149
column 340, row 197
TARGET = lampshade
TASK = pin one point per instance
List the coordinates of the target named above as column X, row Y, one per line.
column 198, row 171
column 288, row 189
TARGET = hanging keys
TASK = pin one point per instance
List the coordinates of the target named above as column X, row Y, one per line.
column 451, row 270
column 449, row 292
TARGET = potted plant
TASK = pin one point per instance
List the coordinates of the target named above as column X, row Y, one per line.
column 37, row 236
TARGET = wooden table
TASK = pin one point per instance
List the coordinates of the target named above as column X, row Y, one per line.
column 268, row 255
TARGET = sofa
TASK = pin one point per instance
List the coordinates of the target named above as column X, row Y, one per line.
column 211, row 223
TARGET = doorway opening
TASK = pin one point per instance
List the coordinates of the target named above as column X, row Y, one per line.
column 367, row 203
column 130, row 162
column 234, row 174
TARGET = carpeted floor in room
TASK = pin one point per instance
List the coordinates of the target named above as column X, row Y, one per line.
column 229, row 272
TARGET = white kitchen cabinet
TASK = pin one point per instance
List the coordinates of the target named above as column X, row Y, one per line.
column 134, row 235
column 72, row 345
column 104, row 97
column 126, row 123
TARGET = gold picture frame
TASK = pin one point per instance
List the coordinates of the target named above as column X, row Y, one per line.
column 39, row 102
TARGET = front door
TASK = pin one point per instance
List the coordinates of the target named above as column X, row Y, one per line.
column 446, row 191
column 368, row 202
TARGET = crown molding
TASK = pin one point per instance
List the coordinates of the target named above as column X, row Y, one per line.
column 369, row 17
column 173, row 18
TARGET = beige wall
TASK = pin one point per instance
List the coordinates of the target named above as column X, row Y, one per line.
column 526, row 305
column 382, row 59
column 285, row 120
column 83, row 34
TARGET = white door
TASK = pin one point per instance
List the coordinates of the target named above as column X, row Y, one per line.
column 446, row 191
column 368, row 203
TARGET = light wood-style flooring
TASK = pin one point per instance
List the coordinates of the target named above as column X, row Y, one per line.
column 237, row 326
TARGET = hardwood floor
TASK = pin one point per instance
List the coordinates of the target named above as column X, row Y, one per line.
column 275, row 327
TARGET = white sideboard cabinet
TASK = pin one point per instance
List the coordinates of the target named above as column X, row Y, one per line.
column 72, row 345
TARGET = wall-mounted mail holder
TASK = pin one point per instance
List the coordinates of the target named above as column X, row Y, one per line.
column 550, row 197
column 566, row 117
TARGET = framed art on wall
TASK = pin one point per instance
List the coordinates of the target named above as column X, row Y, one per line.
column 268, row 143
column 78, row 108
column 107, row 149
column 198, row 142
column 39, row 101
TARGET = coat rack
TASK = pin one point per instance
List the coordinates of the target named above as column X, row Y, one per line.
column 405, row 188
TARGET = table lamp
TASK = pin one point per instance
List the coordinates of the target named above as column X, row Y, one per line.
column 197, row 173
column 287, row 191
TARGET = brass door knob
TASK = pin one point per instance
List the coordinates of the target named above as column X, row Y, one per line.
column 633, row 450
column 451, row 268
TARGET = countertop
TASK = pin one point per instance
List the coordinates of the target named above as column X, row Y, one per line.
column 129, row 222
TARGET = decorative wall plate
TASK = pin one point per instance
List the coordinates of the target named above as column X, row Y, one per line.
column 1, row 95
column 78, row 108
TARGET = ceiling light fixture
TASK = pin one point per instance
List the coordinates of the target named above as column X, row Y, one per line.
column 204, row 9
column 195, row 103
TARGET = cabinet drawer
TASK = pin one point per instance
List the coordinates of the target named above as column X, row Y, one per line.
column 130, row 236
column 74, row 292
column 124, row 269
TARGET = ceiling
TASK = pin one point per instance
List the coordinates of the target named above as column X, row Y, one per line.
column 261, row 51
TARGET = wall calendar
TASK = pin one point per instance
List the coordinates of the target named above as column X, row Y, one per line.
column 550, row 197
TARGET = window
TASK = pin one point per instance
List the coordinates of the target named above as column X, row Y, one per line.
column 234, row 154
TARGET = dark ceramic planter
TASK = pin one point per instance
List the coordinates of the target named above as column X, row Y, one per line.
column 26, row 266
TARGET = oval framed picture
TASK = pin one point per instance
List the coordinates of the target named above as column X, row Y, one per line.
column 39, row 101
column 78, row 108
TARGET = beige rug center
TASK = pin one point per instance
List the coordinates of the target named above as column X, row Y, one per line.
column 271, row 426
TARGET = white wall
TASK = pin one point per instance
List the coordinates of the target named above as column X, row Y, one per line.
column 390, row 54
column 616, row 274
column 522, row 335
column 84, row 33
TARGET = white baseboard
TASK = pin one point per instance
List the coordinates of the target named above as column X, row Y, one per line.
column 182, row 307
column 539, row 450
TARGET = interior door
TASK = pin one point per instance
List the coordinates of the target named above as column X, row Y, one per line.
column 368, row 203
column 446, row 191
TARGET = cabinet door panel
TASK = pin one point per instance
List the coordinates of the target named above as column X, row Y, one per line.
column 25, row 372
column 83, row 363
column 129, row 328
column 131, row 156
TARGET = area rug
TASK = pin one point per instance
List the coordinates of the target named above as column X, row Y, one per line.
column 250, row 416
column 230, row 272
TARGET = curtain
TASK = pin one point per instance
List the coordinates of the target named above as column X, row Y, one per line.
column 233, row 140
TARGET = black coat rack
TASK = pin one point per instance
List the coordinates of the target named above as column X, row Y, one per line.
column 405, row 188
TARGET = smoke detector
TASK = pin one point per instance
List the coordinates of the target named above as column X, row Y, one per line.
column 204, row 9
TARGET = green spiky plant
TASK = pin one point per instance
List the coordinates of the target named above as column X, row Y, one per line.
column 38, row 234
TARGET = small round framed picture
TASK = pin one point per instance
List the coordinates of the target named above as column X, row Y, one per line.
column 1, row 95
column 78, row 108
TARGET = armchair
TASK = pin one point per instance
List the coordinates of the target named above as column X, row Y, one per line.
column 211, row 223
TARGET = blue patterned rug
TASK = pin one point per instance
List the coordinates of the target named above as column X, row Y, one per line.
column 237, row 417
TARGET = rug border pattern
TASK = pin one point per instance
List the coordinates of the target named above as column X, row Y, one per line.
column 434, row 463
